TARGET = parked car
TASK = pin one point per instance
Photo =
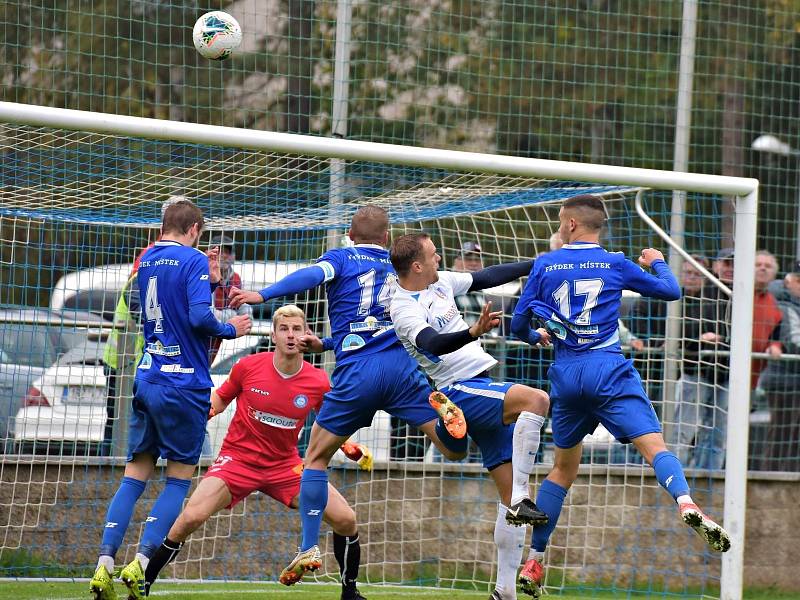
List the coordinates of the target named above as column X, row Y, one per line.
column 32, row 339
column 97, row 289
column 66, row 408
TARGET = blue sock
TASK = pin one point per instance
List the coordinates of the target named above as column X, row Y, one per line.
column 451, row 443
column 669, row 473
column 549, row 499
column 166, row 509
column 313, row 500
column 119, row 514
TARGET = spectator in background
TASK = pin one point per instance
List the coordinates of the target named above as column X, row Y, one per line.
column 780, row 381
column 469, row 260
column 702, row 396
column 648, row 323
column 695, row 390
column 555, row 241
column 714, row 328
column 230, row 279
column 766, row 313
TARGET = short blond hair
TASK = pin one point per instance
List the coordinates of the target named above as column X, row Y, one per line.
column 286, row 311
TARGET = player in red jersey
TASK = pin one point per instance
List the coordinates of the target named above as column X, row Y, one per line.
column 274, row 393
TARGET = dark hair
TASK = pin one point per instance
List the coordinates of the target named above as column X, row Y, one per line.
column 370, row 224
column 592, row 214
column 180, row 216
column 406, row 249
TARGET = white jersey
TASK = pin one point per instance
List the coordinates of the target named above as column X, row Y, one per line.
column 435, row 306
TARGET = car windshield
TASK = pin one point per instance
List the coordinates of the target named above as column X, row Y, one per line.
column 28, row 345
column 38, row 345
column 99, row 302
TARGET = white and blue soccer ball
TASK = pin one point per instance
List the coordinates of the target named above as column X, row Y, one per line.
column 216, row 34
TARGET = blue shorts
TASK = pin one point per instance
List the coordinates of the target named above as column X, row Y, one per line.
column 602, row 387
column 388, row 380
column 482, row 402
column 168, row 422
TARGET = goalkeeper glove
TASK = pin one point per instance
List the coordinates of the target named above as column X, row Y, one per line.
column 358, row 453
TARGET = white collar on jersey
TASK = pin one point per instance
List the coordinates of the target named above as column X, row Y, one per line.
column 167, row 243
column 580, row 246
column 281, row 373
column 377, row 246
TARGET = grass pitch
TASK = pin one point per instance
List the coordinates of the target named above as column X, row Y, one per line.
column 79, row 590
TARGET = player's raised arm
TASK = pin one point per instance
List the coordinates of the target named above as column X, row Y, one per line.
column 663, row 285
column 499, row 274
column 301, row 280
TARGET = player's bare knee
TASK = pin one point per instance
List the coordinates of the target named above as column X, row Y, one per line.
column 538, row 402
column 191, row 519
column 344, row 523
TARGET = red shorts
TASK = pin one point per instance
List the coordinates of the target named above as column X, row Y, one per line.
column 278, row 480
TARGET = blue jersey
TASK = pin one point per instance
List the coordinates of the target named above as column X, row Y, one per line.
column 577, row 292
column 359, row 285
column 173, row 277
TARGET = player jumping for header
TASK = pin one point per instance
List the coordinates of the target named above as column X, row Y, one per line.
column 505, row 419
column 576, row 292
column 373, row 372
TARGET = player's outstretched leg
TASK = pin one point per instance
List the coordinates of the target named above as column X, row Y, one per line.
column 669, row 474
column 101, row 587
column 450, row 414
column 306, row 561
column 714, row 535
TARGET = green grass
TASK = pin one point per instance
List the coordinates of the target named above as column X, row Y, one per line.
column 79, row 591
column 19, row 590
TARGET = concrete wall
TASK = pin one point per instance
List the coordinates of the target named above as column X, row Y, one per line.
column 419, row 524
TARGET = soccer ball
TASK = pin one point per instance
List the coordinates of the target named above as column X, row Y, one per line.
column 216, row 34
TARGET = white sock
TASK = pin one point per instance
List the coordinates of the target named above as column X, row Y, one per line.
column 143, row 560
column 536, row 555
column 525, row 445
column 106, row 561
column 510, row 542
column 685, row 499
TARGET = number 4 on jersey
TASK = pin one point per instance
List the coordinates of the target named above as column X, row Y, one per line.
column 152, row 309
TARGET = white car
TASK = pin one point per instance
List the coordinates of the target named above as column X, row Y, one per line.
column 97, row 289
column 66, row 408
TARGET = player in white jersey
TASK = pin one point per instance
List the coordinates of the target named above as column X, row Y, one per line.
column 504, row 419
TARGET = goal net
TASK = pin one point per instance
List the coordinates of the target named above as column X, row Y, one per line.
column 78, row 206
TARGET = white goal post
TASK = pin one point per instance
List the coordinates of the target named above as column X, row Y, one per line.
column 743, row 190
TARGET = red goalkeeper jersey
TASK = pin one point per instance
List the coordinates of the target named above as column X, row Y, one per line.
column 271, row 408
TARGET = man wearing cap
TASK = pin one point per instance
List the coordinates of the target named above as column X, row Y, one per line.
column 230, row 279
column 702, row 393
column 709, row 394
